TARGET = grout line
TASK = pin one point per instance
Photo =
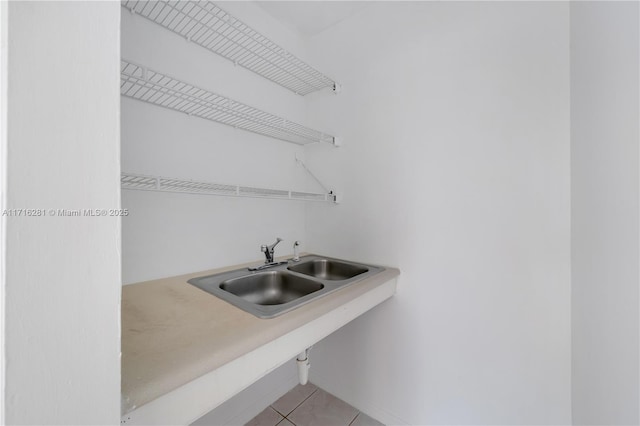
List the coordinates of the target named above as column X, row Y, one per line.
column 310, row 395
column 283, row 419
column 285, row 415
column 354, row 419
column 277, row 411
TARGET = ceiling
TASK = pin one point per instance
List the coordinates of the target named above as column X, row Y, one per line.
column 311, row 17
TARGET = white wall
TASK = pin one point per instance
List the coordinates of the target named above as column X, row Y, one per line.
column 63, row 273
column 170, row 234
column 605, row 213
column 456, row 170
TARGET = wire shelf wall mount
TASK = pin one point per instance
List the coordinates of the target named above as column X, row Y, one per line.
column 167, row 184
column 204, row 23
column 143, row 84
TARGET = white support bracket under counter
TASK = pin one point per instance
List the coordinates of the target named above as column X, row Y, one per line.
column 185, row 352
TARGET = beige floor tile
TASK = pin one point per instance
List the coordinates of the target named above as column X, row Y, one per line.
column 293, row 398
column 323, row 409
column 364, row 420
column 268, row 417
column 285, row 422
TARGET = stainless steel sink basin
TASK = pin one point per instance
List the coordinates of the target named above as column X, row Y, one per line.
column 279, row 289
column 270, row 288
column 329, row 269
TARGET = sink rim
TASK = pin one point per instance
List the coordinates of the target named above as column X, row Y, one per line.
column 211, row 284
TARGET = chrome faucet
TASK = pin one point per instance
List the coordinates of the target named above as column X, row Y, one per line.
column 268, row 251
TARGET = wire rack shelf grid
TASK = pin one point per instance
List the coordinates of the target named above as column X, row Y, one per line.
column 150, row 86
column 209, row 26
column 166, row 184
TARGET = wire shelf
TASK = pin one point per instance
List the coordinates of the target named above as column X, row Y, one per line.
column 164, row 184
column 207, row 25
column 145, row 85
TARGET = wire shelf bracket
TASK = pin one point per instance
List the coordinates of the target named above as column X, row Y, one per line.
column 336, row 198
column 140, row 83
column 166, row 184
column 206, row 24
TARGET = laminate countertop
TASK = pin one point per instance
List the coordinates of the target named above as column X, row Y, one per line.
column 173, row 332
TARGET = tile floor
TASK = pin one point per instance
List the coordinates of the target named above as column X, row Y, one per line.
column 311, row 406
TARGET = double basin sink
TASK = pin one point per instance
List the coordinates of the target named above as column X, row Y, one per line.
column 271, row 292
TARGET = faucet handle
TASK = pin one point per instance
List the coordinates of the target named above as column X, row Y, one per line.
column 268, row 250
column 278, row 239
